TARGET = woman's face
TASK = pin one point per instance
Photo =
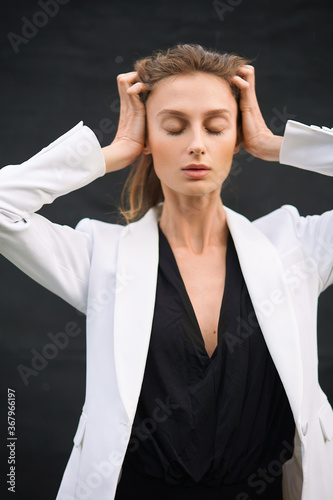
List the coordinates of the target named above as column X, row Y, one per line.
column 191, row 119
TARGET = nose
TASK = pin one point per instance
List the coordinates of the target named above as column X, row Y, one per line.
column 196, row 145
column 198, row 150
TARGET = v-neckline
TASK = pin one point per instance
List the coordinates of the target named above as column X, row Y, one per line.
column 222, row 306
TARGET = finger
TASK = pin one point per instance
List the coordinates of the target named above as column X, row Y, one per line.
column 247, row 73
column 136, row 88
column 128, row 79
column 127, row 76
column 246, row 68
column 130, row 85
column 125, row 80
column 123, row 86
column 240, row 82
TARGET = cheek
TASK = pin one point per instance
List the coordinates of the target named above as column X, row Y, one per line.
column 221, row 147
column 162, row 146
column 228, row 149
column 166, row 157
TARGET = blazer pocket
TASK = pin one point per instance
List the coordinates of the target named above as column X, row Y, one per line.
column 80, row 430
column 325, row 415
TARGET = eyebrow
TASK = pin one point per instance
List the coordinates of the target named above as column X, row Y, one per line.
column 211, row 112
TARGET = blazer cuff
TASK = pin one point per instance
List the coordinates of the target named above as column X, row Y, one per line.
column 308, row 147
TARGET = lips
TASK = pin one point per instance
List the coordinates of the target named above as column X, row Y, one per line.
column 195, row 166
column 196, row 171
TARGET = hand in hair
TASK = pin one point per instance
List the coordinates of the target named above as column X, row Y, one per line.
column 258, row 140
column 130, row 137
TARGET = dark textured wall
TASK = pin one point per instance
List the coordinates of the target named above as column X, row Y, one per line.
column 60, row 67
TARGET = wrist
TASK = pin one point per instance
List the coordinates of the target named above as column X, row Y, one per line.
column 114, row 157
column 273, row 151
column 268, row 148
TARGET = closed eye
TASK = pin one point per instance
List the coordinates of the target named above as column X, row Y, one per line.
column 178, row 132
column 212, row 132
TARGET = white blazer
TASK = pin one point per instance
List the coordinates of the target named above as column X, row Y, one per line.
column 109, row 272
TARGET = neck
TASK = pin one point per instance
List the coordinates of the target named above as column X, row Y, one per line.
column 194, row 223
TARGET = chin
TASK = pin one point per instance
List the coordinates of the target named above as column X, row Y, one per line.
column 199, row 192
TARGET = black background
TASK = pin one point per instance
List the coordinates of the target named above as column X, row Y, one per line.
column 66, row 72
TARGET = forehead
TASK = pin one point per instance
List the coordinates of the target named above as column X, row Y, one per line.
column 197, row 91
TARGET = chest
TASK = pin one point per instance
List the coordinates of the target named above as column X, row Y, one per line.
column 204, row 280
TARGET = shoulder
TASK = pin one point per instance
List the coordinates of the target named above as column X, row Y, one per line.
column 96, row 228
column 311, row 236
column 280, row 220
column 287, row 230
column 279, row 227
column 99, row 229
column 287, row 219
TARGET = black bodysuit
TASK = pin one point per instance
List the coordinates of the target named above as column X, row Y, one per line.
column 216, row 427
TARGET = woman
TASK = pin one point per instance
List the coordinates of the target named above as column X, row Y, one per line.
column 201, row 335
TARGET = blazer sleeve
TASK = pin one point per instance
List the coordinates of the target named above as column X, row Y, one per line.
column 311, row 148
column 56, row 256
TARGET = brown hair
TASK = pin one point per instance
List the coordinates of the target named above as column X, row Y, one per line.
column 142, row 189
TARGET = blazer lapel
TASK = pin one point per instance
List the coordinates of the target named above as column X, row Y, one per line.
column 137, row 268
column 263, row 271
